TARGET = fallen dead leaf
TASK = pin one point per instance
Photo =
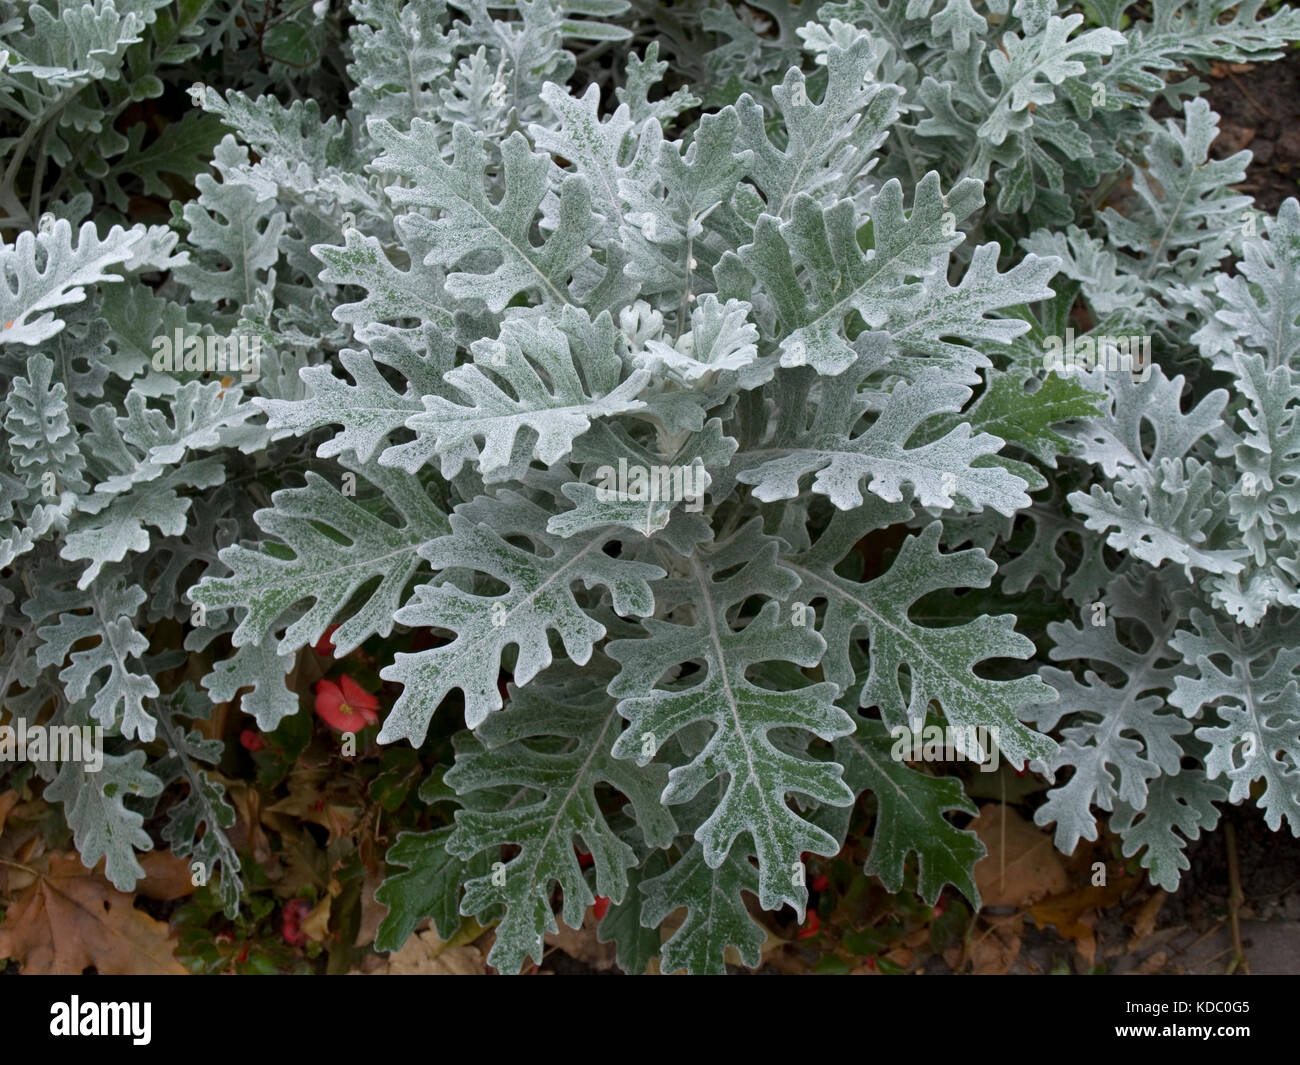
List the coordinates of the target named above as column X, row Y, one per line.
column 995, row 946
column 1074, row 913
column 1220, row 69
column 582, row 945
column 166, row 877
column 247, row 833
column 24, row 859
column 917, row 938
column 1144, row 921
column 71, row 918
column 316, row 925
column 7, row 802
column 307, row 801
column 1021, row 865
column 372, row 912
column 424, row 954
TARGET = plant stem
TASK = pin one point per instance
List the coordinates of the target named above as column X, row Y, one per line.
column 1235, row 899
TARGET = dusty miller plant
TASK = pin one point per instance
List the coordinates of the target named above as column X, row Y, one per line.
column 814, row 284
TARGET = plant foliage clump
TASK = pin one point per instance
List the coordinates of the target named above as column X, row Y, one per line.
column 703, row 422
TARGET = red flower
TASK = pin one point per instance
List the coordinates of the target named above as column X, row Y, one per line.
column 820, row 883
column 584, row 859
column 325, row 646
column 251, row 740
column 291, row 922
column 871, row 963
column 348, row 708
column 600, row 906
column 812, row 926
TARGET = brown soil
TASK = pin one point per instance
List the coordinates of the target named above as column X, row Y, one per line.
column 1259, row 108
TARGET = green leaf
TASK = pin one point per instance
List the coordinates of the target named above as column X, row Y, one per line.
column 120, row 691
column 1251, row 708
column 716, row 917
column 815, row 273
column 48, row 271
column 103, row 826
column 939, row 473
column 910, row 817
column 939, row 661
column 560, row 380
column 204, row 805
column 516, row 749
column 236, row 237
column 760, row 774
column 539, row 599
column 828, row 146
column 471, row 222
column 429, row 885
column 328, row 567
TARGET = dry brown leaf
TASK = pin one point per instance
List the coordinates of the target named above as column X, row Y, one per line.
column 24, row 859
column 372, row 912
column 995, row 947
column 1021, row 866
column 1219, row 69
column 247, row 833
column 166, row 877
column 316, row 925
column 302, row 864
column 1082, row 930
column 425, row 954
column 7, row 802
column 582, row 945
column 306, row 802
column 1144, row 922
column 1074, row 913
column 71, row 918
